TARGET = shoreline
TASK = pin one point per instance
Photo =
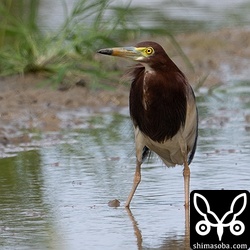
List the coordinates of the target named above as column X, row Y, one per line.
column 223, row 56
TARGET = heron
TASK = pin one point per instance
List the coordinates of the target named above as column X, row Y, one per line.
column 162, row 109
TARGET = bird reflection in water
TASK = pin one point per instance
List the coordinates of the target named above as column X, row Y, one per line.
column 173, row 243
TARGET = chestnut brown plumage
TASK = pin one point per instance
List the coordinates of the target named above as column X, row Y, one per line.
column 162, row 108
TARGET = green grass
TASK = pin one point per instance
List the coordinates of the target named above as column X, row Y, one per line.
column 67, row 55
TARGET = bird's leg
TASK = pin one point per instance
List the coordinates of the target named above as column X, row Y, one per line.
column 186, row 175
column 137, row 179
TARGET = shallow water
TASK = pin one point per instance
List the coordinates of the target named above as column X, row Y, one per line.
column 56, row 194
column 212, row 14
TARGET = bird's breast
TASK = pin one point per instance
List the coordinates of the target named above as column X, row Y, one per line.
column 146, row 91
column 157, row 107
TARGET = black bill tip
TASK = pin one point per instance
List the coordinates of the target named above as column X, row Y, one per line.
column 105, row 51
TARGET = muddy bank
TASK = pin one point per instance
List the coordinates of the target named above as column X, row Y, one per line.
column 26, row 105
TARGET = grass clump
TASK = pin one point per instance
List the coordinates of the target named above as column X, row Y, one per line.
column 67, row 55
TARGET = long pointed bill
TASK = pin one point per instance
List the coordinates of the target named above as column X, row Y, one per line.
column 127, row 52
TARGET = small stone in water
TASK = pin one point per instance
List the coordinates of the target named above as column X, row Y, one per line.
column 114, row 203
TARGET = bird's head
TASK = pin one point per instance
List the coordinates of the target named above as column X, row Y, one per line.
column 144, row 52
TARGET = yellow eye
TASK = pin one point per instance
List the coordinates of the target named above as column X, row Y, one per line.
column 149, row 51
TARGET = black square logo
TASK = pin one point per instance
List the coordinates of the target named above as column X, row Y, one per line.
column 219, row 219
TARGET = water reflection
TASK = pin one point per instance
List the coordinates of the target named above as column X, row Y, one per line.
column 173, row 243
column 23, row 211
column 56, row 196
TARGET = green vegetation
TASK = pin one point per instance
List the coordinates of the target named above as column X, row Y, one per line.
column 67, row 55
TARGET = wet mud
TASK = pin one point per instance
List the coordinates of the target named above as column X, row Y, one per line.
column 28, row 105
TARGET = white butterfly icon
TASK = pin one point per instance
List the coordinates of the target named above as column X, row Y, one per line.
column 203, row 227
